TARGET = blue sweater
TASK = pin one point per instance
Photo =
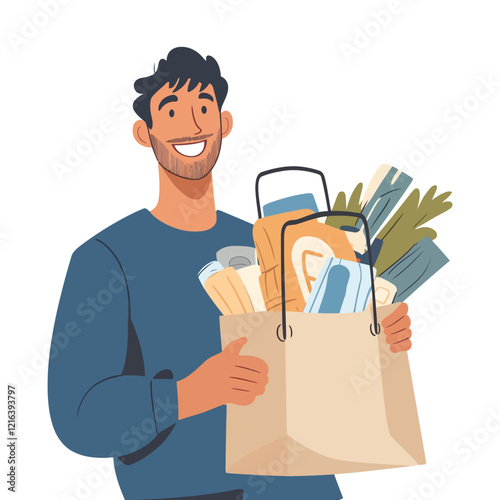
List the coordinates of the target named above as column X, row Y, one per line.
column 132, row 320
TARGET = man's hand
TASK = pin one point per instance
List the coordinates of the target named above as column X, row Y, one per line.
column 397, row 329
column 224, row 378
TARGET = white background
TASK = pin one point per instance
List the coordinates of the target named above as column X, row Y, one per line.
column 350, row 115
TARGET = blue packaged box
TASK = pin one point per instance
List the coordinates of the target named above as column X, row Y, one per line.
column 342, row 286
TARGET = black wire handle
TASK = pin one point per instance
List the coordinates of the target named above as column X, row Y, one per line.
column 284, row 169
column 328, row 213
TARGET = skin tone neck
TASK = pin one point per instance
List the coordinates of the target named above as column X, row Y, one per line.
column 185, row 204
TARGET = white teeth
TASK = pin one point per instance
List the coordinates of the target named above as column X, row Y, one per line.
column 193, row 149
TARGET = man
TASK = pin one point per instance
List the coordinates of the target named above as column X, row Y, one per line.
column 143, row 378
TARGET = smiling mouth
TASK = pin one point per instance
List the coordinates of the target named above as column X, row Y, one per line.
column 192, row 149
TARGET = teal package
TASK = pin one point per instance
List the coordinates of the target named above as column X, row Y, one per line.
column 342, row 286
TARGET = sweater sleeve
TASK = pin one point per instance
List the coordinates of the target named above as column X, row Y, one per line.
column 101, row 403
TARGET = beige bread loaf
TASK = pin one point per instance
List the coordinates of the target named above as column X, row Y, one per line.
column 228, row 292
column 322, row 242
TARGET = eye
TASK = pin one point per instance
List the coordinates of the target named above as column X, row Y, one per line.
column 203, row 109
column 171, row 113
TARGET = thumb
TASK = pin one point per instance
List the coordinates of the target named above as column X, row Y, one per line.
column 234, row 347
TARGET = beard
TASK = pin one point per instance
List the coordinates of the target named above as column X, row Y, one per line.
column 188, row 168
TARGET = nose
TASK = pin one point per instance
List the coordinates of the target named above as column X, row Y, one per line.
column 195, row 122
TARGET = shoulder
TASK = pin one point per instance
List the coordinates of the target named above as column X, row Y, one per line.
column 127, row 226
column 111, row 239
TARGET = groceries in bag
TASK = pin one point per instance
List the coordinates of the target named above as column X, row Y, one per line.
column 383, row 193
column 415, row 267
column 321, row 366
column 342, row 286
column 408, row 225
column 403, row 253
column 236, row 256
column 250, row 277
column 310, row 244
column 225, row 287
column 385, row 293
column 290, row 204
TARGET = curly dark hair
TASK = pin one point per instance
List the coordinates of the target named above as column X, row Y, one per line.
column 182, row 64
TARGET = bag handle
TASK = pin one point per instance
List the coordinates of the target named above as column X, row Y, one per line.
column 284, row 169
column 328, row 213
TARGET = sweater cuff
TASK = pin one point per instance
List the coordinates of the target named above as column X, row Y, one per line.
column 164, row 400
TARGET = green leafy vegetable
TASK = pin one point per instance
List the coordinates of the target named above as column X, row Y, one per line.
column 354, row 205
column 405, row 229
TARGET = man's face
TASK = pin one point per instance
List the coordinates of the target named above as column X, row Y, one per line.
column 187, row 130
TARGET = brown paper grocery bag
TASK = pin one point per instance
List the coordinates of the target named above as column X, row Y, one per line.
column 338, row 400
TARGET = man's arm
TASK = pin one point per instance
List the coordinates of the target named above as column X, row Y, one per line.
column 99, row 410
column 96, row 408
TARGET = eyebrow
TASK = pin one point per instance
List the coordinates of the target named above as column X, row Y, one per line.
column 204, row 95
column 170, row 98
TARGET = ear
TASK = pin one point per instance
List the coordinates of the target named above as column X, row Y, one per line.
column 141, row 134
column 226, row 120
